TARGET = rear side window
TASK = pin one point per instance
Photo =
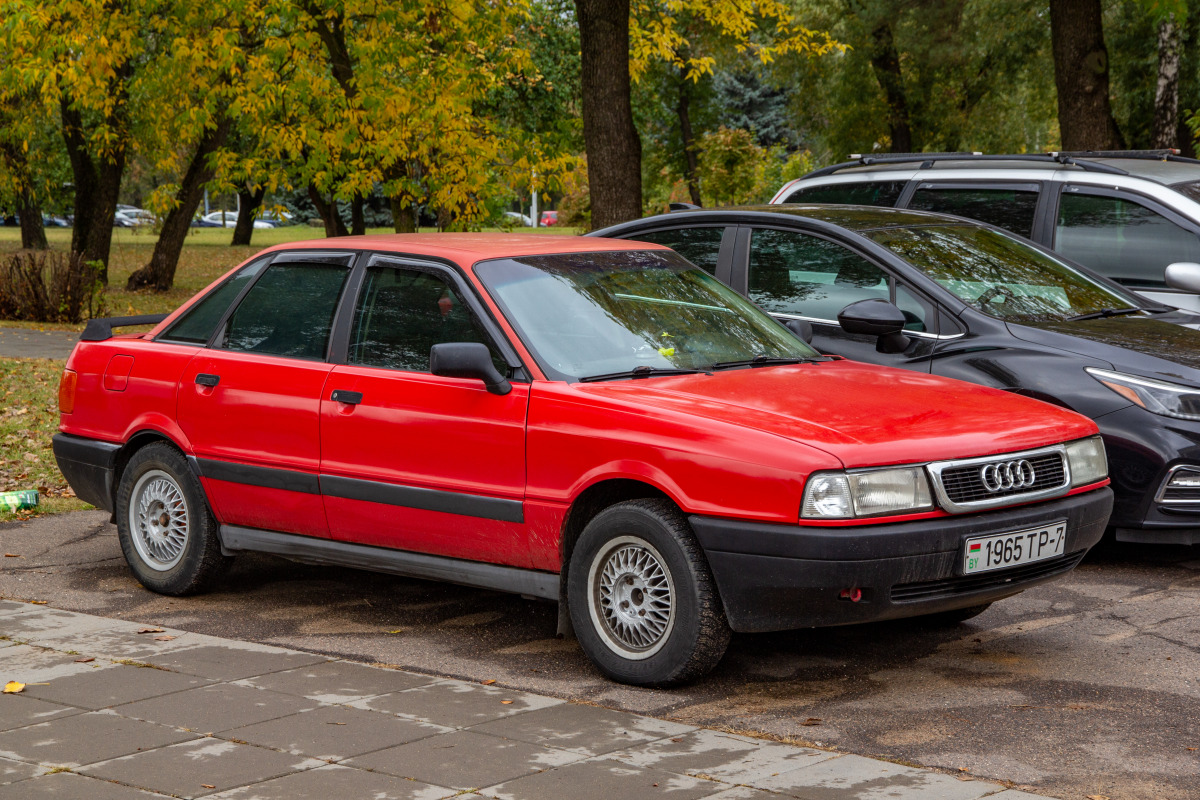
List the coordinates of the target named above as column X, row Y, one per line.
column 795, row 273
column 874, row 193
column 1010, row 208
column 701, row 246
column 197, row 324
column 403, row 313
column 1121, row 239
column 288, row 312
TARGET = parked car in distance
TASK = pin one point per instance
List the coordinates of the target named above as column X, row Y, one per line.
column 549, row 219
column 594, row 422
column 133, row 218
column 516, row 218
column 228, row 219
column 1128, row 215
column 970, row 301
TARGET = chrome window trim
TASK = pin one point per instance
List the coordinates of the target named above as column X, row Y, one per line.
column 937, row 467
column 1160, row 496
column 834, row 322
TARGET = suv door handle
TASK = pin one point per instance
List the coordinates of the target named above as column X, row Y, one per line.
column 343, row 396
column 204, row 379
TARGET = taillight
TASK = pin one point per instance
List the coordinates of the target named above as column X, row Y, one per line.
column 66, row 391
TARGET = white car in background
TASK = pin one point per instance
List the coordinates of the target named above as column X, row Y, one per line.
column 228, row 219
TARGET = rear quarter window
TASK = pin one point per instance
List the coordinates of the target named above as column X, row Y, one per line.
column 197, row 324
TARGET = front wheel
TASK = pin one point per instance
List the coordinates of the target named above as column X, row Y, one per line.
column 168, row 535
column 642, row 599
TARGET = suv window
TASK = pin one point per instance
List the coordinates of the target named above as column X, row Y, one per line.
column 1121, row 239
column 874, row 193
column 402, row 313
column 1010, row 208
column 288, row 312
column 795, row 273
column 701, row 246
column 197, row 324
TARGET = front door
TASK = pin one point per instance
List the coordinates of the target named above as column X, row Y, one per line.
column 410, row 460
column 250, row 403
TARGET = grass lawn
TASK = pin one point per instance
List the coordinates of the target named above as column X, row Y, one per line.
column 206, row 256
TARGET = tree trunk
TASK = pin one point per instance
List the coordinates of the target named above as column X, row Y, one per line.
column 1166, row 93
column 358, row 226
column 329, row 213
column 96, row 190
column 614, row 150
column 248, row 203
column 691, row 167
column 404, row 215
column 33, row 232
column 1085, row 117
column 885, row 63
column 159, row 274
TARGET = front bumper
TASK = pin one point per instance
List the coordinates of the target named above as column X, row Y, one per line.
column 781, row 577
column 89, row 466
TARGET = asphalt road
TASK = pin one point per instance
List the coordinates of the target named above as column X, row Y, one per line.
column 1088, row 686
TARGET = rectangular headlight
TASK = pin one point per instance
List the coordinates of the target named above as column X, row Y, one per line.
column 1088, row 461
column 840, row 495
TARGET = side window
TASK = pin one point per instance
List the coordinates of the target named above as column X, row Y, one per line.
column 794, row 273
column 402, row 313
column 919, row 314
column 288, row 312
column 1121, row 239
column 701, row 246
column 197, row 324
column 874, row 193
column 1010, row 208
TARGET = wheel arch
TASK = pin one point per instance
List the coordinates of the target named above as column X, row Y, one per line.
column 134, row 443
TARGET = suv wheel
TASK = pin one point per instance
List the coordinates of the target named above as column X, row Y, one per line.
column 168, row 535
column 642, row 599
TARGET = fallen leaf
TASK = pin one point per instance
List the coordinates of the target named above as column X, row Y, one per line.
column 812, row 721
column 150, row 630
column 1097, row 797
column 37, row 602
column 12, row 687
column 163, row 638
column 677, row 740
column 208, row 785
column 11, row 555
column 964, row 769
column 84, row 660
column 1191, row 748
column 506, row 702
column 488, row 682
column 398, row 630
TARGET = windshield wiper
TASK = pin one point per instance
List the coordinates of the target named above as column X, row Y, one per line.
column 1108, row 312
column 762, row 361
column 642, row 372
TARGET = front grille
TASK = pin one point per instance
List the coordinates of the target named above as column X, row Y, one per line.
column 949, row 587
column 1181, row 486
column 1180, row 495
column 965, row 484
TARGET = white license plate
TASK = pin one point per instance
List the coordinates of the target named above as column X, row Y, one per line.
column 1013, row 549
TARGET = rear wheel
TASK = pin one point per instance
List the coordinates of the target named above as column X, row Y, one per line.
column 167, row 533
column 642, row 599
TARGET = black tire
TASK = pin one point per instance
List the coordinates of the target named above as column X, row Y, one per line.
column 172, row 546
column 950, row 618
column 676, row 646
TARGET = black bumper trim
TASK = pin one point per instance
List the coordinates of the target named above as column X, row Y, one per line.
column 89, row 466
column 963, row 584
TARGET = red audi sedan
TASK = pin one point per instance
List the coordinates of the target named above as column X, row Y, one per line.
column 594, row 422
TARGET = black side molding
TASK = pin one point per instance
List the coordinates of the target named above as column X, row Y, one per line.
column 467, row 505
column 98, row 330
column 308, row 549
column 267, row 477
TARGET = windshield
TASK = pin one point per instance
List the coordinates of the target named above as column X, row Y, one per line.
column 589, row 314
column 1001, row 275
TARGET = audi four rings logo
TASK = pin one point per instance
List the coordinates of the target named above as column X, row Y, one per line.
column 1007, row 475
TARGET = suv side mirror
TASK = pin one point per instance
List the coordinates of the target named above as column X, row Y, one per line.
column 876, row 318
column 467, row 360
column 800, row 329
column 1184, row 275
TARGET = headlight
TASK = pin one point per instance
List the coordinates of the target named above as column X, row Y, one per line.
column 1158, row 397
column 1087, row 460
column 845, row 495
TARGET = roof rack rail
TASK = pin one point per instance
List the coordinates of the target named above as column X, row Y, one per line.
column 927, row 160
column 1166, row 154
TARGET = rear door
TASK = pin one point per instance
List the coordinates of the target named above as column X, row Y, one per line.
column 410, row 460
column 250, row 403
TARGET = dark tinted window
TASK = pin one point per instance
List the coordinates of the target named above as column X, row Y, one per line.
column 918, row 312
column 198, row 323
column 1011, row 209
column 1189, row 189
column 701, row 246
column 402, row 313
column 794, row 273
column 288, row 312
column 1121, row 239
column 876, row 193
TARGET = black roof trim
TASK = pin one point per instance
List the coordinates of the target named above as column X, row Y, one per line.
column 927, row 160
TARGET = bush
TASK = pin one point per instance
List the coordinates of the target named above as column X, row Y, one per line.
column 50, row 286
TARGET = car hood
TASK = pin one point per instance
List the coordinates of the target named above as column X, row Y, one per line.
column 862, row 414
column 1164, row 346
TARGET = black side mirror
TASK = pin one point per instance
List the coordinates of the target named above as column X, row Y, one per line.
column 876, row 318
column 467, row 360
column 800, row 329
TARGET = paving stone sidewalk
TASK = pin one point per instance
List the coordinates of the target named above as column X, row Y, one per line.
column 114, row 710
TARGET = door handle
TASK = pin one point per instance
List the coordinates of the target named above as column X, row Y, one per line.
column 204, row 379
column 343, row 396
